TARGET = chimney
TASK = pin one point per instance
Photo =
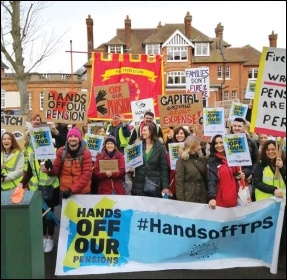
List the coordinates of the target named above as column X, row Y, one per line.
column 273, row 40
column 187, row 25
column 219, row 31
column 159, row 25
column 128, row 25
column 90, row 35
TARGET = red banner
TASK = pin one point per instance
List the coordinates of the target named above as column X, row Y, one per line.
column 143, row 73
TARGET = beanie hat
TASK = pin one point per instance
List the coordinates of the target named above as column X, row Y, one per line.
column 75, row 132
column 110, row 138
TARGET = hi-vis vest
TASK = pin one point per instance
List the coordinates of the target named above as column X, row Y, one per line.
column 10, row 166
column 40, row 178
column 268, row 179
column 124, row 141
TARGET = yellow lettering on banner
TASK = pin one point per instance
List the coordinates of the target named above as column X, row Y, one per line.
column 129, row 70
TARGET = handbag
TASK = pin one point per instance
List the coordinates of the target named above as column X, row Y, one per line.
column 151, row 188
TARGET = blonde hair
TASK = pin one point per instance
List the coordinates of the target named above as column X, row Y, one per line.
column 190, row 143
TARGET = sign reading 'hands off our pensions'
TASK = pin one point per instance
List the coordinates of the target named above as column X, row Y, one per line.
column 118, row 233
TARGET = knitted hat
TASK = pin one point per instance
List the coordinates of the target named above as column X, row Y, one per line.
column 110, row 138
column 75, row 132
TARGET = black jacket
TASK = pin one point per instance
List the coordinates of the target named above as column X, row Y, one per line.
column 156, row 168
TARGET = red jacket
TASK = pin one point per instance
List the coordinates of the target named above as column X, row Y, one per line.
column 221, row 182
column 106, row 184
column 73, row 175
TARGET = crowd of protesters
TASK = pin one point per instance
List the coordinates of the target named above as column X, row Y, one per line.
column 201, row 175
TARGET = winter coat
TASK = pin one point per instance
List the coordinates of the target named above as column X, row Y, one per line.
column 156, row 169
column 74, row 173
column 106, row 185
column 221, row 182
column 190, row 184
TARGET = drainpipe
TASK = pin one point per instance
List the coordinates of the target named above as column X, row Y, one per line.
column 223, row 63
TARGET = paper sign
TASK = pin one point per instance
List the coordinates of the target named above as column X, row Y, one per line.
column 111, row 165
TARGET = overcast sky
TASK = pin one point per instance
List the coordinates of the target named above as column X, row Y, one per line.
column 244, row 23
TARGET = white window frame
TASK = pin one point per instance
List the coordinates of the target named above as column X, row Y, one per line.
column 152, row 49
column 234, row 94
column 220, row 73
column 180, row 53
column 252, row 73
column 3, row 101
column 226, row 95
column 41, row 101
column 115, row 49
column 176, row 79
column 201, row 49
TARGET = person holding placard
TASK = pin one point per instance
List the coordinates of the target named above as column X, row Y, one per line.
column 179, row 136
column 73, row 165
column 154, row 171
column 270, row 180
column 222, row 180
column 191, row 172
column 110, row 182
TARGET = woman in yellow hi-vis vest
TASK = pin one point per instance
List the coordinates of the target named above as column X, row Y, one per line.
column 12, row 162
column 267, row 184
column 34, row 178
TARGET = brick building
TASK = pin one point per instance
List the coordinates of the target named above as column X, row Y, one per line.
column 182, row 46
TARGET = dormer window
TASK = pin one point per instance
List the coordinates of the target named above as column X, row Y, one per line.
column 115, row 49
column 152, row 49
column 177, row 53
column 201, row 49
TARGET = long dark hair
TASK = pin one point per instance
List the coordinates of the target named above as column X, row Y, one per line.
column 152, row 130
column 212, row 144
column 264, row 159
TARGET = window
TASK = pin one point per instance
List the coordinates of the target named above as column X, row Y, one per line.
column 177, row 53
column 176, row 78
column 226, row 95
column 152, row 49
column 30, row 100
column 41, row 100
column 115, row 49
column 202, row 49
column 252, row 73
column 220, row 73
column 234, row 94
column 3, row 105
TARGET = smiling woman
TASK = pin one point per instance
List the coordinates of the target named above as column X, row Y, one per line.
column 12, row 162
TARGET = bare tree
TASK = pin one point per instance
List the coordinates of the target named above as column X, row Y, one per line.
column 20, row 30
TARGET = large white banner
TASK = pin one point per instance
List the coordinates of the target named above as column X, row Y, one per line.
column 109, row 234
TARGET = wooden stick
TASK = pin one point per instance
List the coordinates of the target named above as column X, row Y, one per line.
column 279, row 144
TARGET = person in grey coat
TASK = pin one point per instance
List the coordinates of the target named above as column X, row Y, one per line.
column 155, row 165
column 191, row 172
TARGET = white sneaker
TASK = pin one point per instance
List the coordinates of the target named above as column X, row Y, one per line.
column 44, row 243
column 49, row 245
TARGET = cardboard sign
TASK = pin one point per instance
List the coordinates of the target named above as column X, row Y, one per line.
column 109, row 165
column 65, row 106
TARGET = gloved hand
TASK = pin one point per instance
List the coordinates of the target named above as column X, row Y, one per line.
column 67, row 194
column 48, row 164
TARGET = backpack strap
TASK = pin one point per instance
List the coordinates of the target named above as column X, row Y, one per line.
column 64, row 154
